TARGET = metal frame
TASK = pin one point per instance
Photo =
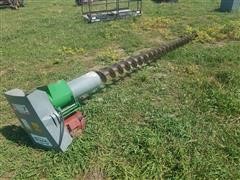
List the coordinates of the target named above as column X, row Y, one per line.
column 116, row 11
column 15, row 4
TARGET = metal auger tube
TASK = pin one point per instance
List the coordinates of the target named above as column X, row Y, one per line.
column 144, row 58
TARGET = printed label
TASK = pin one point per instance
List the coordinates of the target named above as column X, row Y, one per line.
column 20, row 108
column 36, row 127
column 25, row 123
column 41, row 140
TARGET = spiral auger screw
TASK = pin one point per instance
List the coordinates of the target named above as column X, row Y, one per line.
column 143, row 59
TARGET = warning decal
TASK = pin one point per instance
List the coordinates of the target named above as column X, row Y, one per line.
column 41, row 140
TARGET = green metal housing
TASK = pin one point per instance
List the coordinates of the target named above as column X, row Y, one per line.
column 61, row 97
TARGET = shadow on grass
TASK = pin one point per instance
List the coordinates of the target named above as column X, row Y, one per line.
column 17, row 135
column 165, row 1
column 4, row 7
column 222, row 11
column 217, row 10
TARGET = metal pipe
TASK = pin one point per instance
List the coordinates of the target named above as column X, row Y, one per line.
column 85, row 84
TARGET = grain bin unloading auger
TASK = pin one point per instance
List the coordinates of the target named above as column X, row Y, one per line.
column 50, row 114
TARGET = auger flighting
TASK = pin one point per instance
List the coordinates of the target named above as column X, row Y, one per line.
column 142, row 59
column 50, row 114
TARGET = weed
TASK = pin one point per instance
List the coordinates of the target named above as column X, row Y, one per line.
column 217, row 32
column 158, row 24
column 108, row 56
column 71, row 51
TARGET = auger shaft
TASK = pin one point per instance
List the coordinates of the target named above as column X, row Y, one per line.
column 84, row 84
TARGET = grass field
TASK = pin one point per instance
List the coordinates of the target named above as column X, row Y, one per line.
column 176, row 119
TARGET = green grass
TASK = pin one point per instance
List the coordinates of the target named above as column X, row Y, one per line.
column 176, row 119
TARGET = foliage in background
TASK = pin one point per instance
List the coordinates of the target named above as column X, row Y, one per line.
column 217, row 32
